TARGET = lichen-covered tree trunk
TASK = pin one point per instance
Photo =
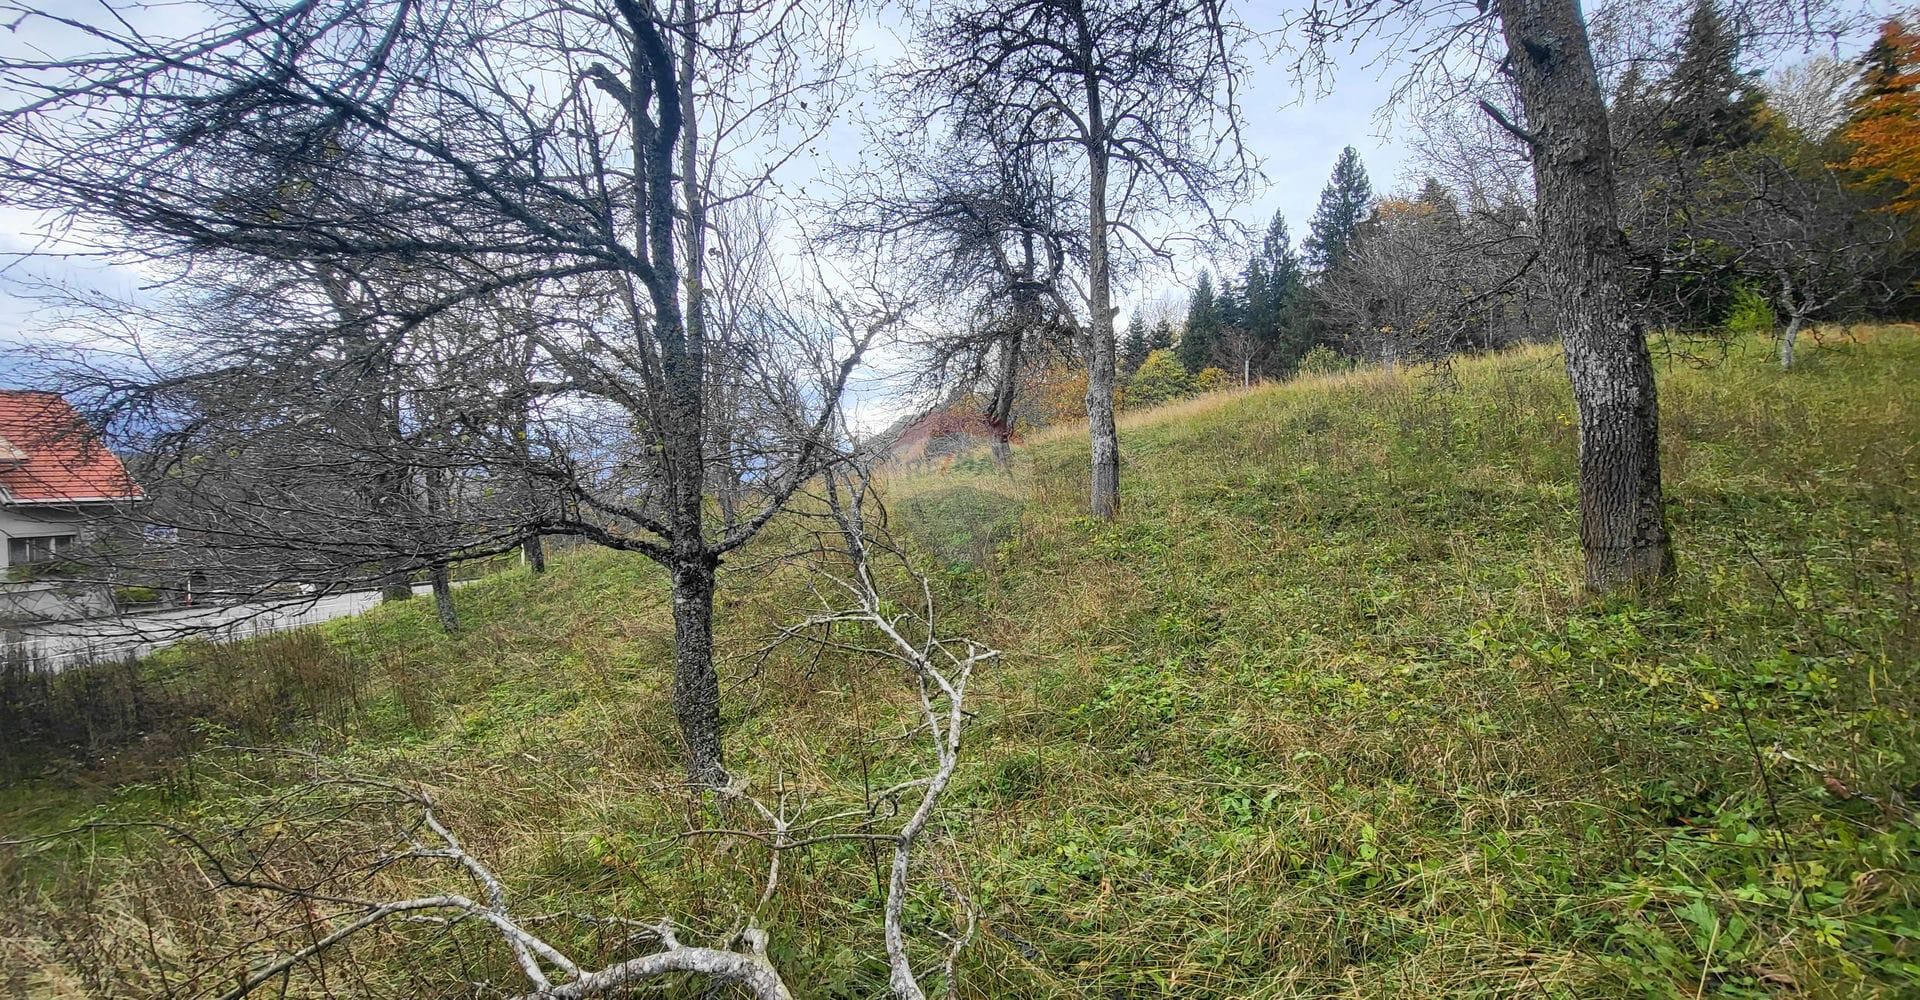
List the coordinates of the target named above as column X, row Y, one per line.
column 443, row 598
column 1623, row 528
column 1102, row 436
column 1797, row 309
column 1787, row 339
column 696, row 685
column 534, row 551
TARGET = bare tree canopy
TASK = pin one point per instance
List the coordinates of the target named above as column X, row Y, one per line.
column 562, row 159
column 1544, row 52
column 1141, row 95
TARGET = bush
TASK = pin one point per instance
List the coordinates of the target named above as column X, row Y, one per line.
column 1159, row 379
column 127, row 596
column 1324, row 360
column 1751, row 314
column 1211, row 379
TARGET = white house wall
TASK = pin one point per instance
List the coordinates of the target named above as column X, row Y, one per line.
column 32, row 522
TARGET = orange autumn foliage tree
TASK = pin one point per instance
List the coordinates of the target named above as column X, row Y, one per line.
column 1883, row 134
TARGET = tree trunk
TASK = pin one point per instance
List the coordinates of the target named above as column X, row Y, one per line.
column 1000, row 410
column 1787, row 337
column 534, row 551
column 1623, row 528
column 1102, row 435
column 696, row 685
column 395, row 587
column 443, row 598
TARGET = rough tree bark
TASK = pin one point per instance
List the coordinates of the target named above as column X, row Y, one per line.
column 696, row 685
column 1000, row 410
column 1102, row 436
column 534, row 551
column 1623, row 528
column 443, row 597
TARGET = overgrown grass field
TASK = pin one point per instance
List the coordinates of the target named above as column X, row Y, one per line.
column 1323, row 713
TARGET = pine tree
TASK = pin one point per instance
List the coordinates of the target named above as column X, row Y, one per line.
column 1344, row 203
column 1134, row 348
column 1203, row 326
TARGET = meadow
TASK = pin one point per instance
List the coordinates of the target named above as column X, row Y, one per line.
column 1323, row 713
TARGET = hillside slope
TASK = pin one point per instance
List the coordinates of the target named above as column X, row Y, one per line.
column 1321, row 714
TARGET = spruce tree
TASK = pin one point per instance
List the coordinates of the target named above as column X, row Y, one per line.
column 1134, row 348
column 1710, row 106
column 1197, row 339
column 1276, row 300
column 1707, row 111
column 1344, row 204
column 1161, row 339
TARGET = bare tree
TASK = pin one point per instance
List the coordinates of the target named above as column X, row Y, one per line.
column 980, row 223
column 1143, row 91
column 490, row 147
column 288, row 452
column 1818, row 244
column 328, row 860
column 1812, row 96
column 1542, row 50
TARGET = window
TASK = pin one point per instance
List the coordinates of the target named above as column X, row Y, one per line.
column 46, row 548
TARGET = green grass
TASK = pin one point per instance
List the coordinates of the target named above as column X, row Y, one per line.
column 1322, row 713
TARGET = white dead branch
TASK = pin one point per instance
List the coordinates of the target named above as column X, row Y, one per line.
column 858, row 619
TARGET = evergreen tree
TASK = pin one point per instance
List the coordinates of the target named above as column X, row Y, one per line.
column 1203, row 326
column 1161, row 339
column 1435, row 195
column 1673, row 139
column 1134, row 348
column 1711, row 106
column 1276, row 300
column 1344, row 204
column 1632, row 114
column 1231, row 305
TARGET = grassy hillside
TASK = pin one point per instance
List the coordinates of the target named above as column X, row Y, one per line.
column 1321, row 714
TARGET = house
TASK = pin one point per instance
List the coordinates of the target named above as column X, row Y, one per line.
column 59, row 486
column 937, row 436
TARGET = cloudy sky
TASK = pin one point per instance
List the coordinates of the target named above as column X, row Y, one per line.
column 1293, row 133
column 1294, row 136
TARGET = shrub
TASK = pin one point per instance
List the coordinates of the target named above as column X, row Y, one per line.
column 125, row 596
column 1750, row 314
column 1054, row 395
column 1159, row 378
column 1211, row 379
column 1324, row 360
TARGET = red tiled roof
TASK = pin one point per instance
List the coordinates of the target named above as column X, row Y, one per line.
column 51, row 455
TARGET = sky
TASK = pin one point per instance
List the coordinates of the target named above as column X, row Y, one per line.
column 1294, row 135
